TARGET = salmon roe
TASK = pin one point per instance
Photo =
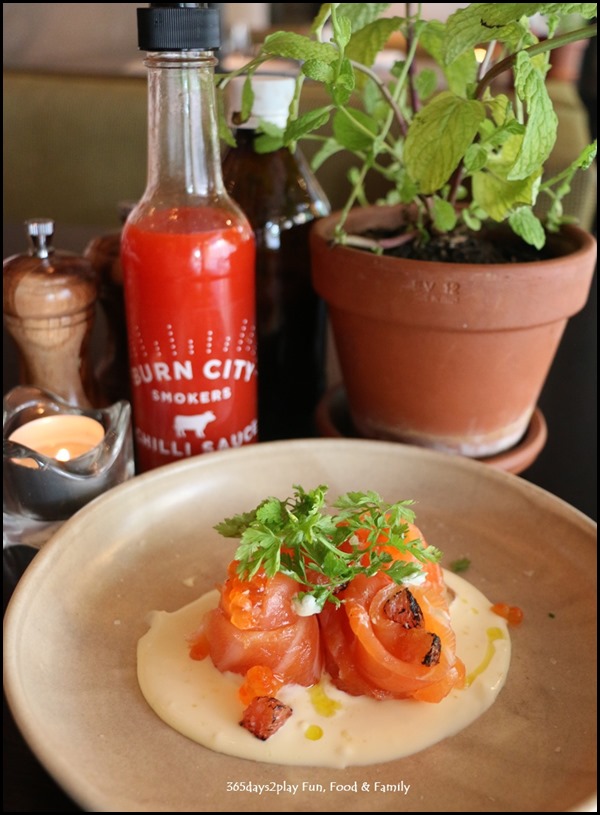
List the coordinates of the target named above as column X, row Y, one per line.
column 513, row 614
column 260, row 681
column 199, row 647
column 243, row 598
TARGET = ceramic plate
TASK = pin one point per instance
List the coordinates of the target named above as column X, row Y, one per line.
column 74, row 621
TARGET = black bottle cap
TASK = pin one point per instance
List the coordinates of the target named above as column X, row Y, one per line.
column 178, row 27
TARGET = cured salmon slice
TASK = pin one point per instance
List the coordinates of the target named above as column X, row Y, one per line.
column 255, row 625
column 390, row 641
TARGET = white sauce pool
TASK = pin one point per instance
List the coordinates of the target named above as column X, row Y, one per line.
column 196, row 699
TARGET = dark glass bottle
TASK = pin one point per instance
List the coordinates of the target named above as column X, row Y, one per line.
column 188, row 258
column 112, row 369
column 281, row 198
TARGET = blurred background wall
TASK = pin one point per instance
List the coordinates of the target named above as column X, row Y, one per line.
column 102, row 36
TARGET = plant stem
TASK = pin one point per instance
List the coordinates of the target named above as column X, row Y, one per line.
column 533, row 50
column 358, row 66
column 383, row 243
column 487, row 59
column 352, row 198
column 410, row 36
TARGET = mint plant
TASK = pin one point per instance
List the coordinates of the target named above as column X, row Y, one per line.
column 454, row 150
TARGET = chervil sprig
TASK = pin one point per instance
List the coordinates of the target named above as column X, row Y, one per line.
column 323, row 551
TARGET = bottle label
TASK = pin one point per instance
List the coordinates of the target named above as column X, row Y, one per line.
column 192, row 345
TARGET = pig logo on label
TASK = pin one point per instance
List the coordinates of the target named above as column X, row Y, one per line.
column 196, row 423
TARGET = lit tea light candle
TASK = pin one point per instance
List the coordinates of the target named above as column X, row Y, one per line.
column 61, row 436
column 57, row 458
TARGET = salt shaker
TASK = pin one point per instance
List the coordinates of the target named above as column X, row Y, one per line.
column 49, row 308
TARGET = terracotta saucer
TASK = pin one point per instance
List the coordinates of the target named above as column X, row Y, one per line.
column 333, row 420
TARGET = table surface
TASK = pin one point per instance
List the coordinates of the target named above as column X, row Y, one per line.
column 566, row 467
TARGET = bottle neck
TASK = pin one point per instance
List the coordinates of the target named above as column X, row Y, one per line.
column 183, row 143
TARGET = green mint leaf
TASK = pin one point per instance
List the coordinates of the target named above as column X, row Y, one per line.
column 586, row 10
column 247, row 99
column 361, row 14
column 270, row 138
column 368, row 41
column 497, row 137
column 354, row 129
column 313, row 120
column 542, row 122
column 344, row 84
column 406, row 189
column 494, row 193
column 479, row 23
column 290, row 45
column 265, row 143
column 429, row 160
column 342, row 31
column 432, row 40
column 475, row 158
column 525, row 224
column 329, row 148
column 472, row 221
column 460, row 565
column 586, row 158
column 270, row 128
column 560, row 185
column 321, row 17
column 500, row 108
column 461, row 73
column 225, row 132
column 318, row 70
column 444, row 215
column 426, row 82
column 498, row 197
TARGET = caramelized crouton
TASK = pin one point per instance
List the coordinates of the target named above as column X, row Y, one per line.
column 432, row 657
column 402, row 608
column 264, row 716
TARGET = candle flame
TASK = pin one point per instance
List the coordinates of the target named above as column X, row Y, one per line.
column 480, row 54
column 63, row 454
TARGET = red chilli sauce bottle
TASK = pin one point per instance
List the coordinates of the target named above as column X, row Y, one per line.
column 188, row 257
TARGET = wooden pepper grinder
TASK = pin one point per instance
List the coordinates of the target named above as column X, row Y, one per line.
column 49, row 308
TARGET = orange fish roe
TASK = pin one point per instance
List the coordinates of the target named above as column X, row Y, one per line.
column 199, row 649
column 243, row 598
column 260, row 681
column 513, row 614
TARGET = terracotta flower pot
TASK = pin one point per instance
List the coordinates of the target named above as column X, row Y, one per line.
column 446, row 355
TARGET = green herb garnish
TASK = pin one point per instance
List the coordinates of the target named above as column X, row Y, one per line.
column 301, row 539
column 460, row 565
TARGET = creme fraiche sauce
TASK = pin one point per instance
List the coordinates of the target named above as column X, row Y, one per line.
column 328, row 727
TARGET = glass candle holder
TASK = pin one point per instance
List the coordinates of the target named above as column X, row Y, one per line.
column 57, row 458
